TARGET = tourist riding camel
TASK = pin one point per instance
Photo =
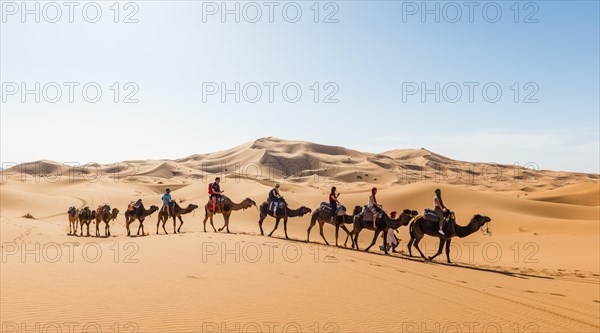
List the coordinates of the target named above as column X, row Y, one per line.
column 373, row 206
column 334, row 202
column 283, row 212
column 427, row 224
column 177, row 212
column 215, row 194
column 225, row 206
column 138, row 212
column 167, row 203
column 324, row 214
column 384, row 222
column 439, row 208
column 274, row 198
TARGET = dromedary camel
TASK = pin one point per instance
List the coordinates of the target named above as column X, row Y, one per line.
column 105, row 214
column 86, row 216
column 421, row 227
column 384, row 223
column 283, row 211
column 73, row 215
column 225, row 206
column 177, row 212
column 140, row 214
column 324, row 216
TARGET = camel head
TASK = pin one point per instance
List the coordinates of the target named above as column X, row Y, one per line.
column 247, row 203
column 357, row 210
column 114, row 214
column 478, row 221
column 152, row 209
column 191, row 207
column 304, row 210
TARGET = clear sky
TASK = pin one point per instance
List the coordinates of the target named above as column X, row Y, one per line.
column 370, row 59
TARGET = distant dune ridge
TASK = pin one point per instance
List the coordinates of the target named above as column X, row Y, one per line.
column 539, row 271
column 305, row 162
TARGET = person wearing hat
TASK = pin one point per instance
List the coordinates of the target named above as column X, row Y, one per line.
column 167, row 204
column 440, row 209
column 274, row 198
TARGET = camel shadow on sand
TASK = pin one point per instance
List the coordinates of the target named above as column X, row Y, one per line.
column 403, row 257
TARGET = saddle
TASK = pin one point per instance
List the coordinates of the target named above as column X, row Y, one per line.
column 368, row 215
column 341, row 210
column 280, row 205
column 134, row 205
column 430, row 215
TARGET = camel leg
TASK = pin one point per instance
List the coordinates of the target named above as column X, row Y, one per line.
column 285, row 219
column 88, row 228
column 416, row 244
column 356, row 238
column 141, row 227
column 97, row 229
column 347, row 234
column 127, row 226
column 205, row 218
column 158, row 223
column 337, row 232
column 375, row 234
column 212, row 224
column 107, row 229
column 312, row 224
column 180, row 223
column 442, row 242
column 163, row 226
column 385, row 241
column 260, row 223
column 81, row 228
column 276, row 225
column 174, row 224
column 448, row 249
column 321, row 224
column 410, row 243
column 226, row 225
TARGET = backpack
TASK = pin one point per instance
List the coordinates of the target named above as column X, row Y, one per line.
column 210, row 188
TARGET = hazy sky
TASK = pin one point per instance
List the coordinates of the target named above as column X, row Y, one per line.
column 503, row 83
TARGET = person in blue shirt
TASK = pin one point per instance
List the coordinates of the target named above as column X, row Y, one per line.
column 167, row 203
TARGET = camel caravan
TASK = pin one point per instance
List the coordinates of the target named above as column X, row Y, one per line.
column 439, row 222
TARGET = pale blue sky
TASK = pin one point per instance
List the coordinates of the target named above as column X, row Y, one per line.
column 369, row 53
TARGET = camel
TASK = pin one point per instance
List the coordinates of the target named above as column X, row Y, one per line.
column 324, row 216
column 86, row 215
column 140, row 214
column 225, row 206
column 104, row 214
column 177, row 212
column 283, row 211
column 421, row 227
column 384, row 223
column 73, row 215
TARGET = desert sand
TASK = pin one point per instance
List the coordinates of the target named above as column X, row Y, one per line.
column 537, row 272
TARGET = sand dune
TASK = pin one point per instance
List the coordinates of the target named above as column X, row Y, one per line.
column 539, row 271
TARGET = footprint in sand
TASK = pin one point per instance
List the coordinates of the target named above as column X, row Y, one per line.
column 597, row 301
column 530, row 291
column 555, row 294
